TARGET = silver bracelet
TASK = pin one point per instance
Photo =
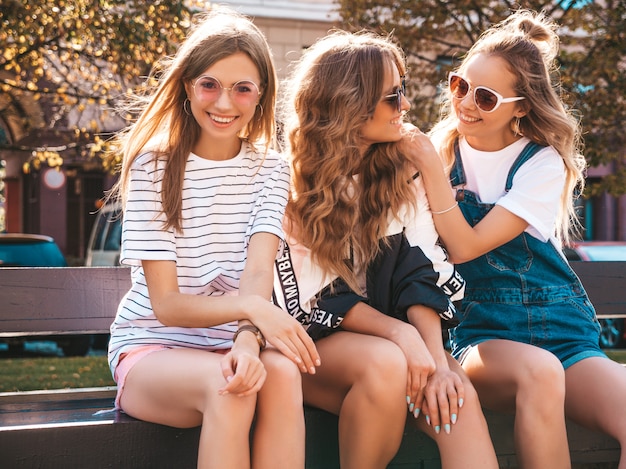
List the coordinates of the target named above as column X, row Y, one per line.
column 446, row 210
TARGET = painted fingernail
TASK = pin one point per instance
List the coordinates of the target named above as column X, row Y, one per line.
column 411, row 405
column 460, row 402
column 312, row 370
column 408, row 400
column 416, row 412
column 427, row 420
column 446, row 428
column 437, row 429
column 453, row 418
column 318, row 362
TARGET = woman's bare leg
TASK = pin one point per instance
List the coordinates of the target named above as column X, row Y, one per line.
column 512, row 376
column 179, row 387
column 363, row 380
column 468, row 446
column 279, row 436
column 596, row 388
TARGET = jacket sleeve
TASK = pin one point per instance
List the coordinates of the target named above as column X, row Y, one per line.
column 413, row 267
column 403, row 276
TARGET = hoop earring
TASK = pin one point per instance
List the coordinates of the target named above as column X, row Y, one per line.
column 187, row 106
column 261, row 108
column 516, row 127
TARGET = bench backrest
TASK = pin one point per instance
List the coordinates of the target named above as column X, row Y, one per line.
column 50, row 300
column 65, row 300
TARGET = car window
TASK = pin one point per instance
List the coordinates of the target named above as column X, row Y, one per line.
column 106, row 237
column 99, row 230
column 114, row 234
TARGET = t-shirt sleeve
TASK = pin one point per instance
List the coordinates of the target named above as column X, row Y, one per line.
column 270, row 207
column 535, row 194
column 143, row 233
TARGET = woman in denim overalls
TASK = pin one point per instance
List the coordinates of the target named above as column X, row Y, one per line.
column 529, row 335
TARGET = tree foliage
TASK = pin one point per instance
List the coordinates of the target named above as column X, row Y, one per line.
column 435, row 34
column 75, row 59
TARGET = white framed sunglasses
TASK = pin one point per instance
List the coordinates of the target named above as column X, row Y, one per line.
column 485, row 99
column 209, row 89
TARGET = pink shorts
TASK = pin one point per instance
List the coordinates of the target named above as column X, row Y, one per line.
column 127, row 361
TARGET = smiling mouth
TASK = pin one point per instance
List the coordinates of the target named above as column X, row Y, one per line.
column 222, row 120
column 468, row 119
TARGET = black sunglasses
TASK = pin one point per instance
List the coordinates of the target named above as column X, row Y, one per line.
column 395, row 99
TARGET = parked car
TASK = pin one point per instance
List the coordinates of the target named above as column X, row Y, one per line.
column 613, row 333
column 34, row 250
column 105, row 239
column 29, row 250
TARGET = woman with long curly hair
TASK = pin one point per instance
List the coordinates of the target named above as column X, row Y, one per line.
column 528, row 338
column 362, row 269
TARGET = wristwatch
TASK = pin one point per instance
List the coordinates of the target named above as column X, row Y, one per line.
column 255, row 330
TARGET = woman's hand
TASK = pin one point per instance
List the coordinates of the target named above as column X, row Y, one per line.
column 444, row 395
column 242, row 368
column 421, row 366
column 417, row 146
column 286, row 334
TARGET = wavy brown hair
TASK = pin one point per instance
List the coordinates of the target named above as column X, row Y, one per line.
column 163, row 125
column 528, row 43
column 342, row 199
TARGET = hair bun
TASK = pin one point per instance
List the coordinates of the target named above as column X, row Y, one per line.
column 537, row 28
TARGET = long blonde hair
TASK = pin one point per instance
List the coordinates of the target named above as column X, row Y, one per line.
column 528, row 43
column 341, row 199
column 165, row 127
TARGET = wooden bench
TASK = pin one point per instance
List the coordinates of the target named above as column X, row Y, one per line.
column 79, row 428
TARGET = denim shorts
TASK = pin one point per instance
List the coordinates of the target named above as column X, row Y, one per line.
column 567, row 327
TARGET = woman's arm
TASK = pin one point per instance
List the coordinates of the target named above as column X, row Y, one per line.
column 174, row 308
column 463, row 242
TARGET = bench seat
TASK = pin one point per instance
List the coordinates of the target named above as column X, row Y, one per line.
column 79, row 428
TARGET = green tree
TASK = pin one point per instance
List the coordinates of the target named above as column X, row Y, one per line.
column 435, row 34
column 76, row 58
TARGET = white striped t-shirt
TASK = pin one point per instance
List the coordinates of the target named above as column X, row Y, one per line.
column 224, row 204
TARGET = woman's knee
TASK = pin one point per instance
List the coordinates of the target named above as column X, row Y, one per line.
column 541, row 382
column 383, row 365
column 283, row 375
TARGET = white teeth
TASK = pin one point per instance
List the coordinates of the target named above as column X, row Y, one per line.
column 222, row 120
column 469, row 119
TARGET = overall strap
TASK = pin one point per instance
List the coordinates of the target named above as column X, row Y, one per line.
column 457, row 175
column 527, row 153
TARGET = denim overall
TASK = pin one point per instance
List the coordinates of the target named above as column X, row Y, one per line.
column 523, row 291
